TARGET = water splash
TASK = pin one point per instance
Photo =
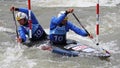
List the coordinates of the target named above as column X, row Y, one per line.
column 111, row 46
column 13, row 57
column 3, row 29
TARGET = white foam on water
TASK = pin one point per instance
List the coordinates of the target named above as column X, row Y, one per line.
column 73, row 3
column 13, row 57
column 3, row 29
column 110, row 23
column 111, row 46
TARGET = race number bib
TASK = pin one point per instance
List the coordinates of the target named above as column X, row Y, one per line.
column 59, row 38
column 38, row 33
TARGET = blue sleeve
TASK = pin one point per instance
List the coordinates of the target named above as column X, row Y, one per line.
column 33, row 18
column 22, row 34
column 56, row 20
column 77, row 30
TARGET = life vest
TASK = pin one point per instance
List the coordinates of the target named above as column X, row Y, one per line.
column 37, row 31
column 58, row 35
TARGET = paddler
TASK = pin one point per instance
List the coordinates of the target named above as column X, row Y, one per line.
column 59, row 26
column 38, row 32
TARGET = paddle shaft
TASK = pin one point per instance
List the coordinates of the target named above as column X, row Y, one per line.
column 15, row 24
column 82, row 26
column 80, row 23
column 16, row 27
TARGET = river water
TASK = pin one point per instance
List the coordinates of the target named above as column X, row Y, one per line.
column 13, row 57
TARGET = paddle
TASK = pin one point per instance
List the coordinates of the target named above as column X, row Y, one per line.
column 16, row 28
column 81, row 24
column 15, row 24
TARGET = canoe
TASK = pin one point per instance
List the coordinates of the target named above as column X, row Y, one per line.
column 75, row 49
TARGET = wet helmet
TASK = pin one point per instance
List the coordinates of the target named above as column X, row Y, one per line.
column 62, row 12
column 21, row 15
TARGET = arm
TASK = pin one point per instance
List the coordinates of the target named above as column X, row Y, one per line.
column 76, row 29
column 56, row 21
column 61, row 16
column 33, row 18
column 25, row 10
column 22, row 33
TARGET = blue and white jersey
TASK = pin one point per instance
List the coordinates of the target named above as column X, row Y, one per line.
column 37, row 30
column 58, row 33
